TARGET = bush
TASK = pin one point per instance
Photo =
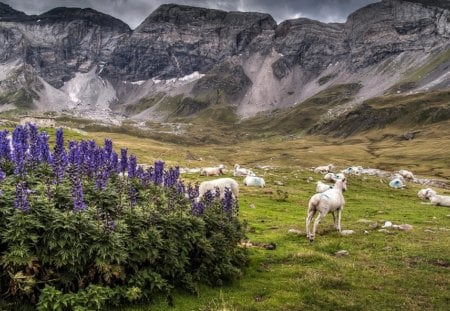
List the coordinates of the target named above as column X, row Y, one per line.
column 86, row 226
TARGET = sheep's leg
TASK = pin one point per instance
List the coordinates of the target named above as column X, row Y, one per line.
column 316, row 223
column 308, row 221
column 339, row 220
column 334, row 220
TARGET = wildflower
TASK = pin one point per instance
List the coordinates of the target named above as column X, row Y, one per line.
column 123, row 165
column 198, row 208
column 158, row 173
column 5, row 149
column 132, row 165
column 227, row 201
column 132, row 195
column 21, row 201
column 59, row 156
column 34, row 144
column 44, row 148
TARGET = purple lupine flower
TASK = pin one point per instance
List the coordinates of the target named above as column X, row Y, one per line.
column 21, row 201
column 44, row 148
column 20, row 146
column 198, row 208
column 59, row 156
column 123, row 165
column 208, row 198
column 171, row 176
column 192, row 191
column 181, row 189
column 114, row 162
column 78, row 197
column 132, row 195
column 158, row 173
column 108, row 147
column 227, row 201
column 132, row 166
column 5, row 149
column 101, row 180
column 35, row 145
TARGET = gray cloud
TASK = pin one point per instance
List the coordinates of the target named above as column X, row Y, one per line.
column 133, row 12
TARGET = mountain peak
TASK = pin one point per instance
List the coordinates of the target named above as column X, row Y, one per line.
column 6, row 10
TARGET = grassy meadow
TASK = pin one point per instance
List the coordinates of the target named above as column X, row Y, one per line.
column 406, row 270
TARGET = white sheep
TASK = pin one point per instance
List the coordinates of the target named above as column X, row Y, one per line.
column 321, row 187
column 329, row 201
column 333, row 177
column 238, row 171
column 396, row 183
column 406, row 174
column 212, row 171
column 425, row 193
column 353, row 170
column 219, row 184
column 254, row 181
column 436, row 199
column 324, row 169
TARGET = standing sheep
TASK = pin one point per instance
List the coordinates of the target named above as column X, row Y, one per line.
column 219, row 184
column 329, row 201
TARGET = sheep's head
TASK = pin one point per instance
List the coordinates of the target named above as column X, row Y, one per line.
column 344, row 184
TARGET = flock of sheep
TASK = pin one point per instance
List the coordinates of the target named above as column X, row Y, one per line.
column 328, row 198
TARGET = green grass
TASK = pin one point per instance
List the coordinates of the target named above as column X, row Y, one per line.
column 384, row 271
column 143, row 104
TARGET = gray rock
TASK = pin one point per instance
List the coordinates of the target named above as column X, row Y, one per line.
column 341, row 253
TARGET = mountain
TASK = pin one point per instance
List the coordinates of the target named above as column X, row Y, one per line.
column 186, row 62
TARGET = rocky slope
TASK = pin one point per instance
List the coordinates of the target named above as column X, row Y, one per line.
column 181, row 59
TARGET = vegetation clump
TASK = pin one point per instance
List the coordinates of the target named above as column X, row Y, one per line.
column 82, row 226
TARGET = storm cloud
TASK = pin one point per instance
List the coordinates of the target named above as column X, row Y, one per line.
column 133, row 12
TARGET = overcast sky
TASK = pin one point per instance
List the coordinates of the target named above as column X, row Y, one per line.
column 133, row 12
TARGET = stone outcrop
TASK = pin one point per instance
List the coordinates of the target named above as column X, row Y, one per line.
column 246, row 55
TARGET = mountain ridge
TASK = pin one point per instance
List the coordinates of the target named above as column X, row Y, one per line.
column 77, row 58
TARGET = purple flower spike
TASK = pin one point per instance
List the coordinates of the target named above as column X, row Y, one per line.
column 159, row 173
column 132, row 166
column 123, row 165
column 5, row 149
column 21, row 201
column 59, row 156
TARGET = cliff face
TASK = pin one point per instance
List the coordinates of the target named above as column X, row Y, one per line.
column 182, row 51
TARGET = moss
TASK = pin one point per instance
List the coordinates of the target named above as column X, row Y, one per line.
column 143, row 104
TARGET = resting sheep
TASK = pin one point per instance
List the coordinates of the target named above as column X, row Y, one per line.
column 353, row 170
column 238, row 171
column 321, row 187
column 324, row 169
column 436, row 199
column 425, row 193
column 212, row 171
column 254, row 181
column 329, row 201
column 219, row 184
column 406, row 174
column 396, row 183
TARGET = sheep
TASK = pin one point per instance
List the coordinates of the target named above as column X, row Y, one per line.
column 396, row 183
column 212, row 171
column 238, row 171
column 353, row 170
column 425, row 193
column 333, row 177
column 254, row 181
column 321, row 187
column 324, row 169
column 329, row 201
column 435, row 199
column 406, row 174
column 219, row 184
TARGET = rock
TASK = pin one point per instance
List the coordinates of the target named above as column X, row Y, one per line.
column 251, row 205
column 364, row 221
column 366, row 232
column 341, row 253
column 373, row 225
column 295, row 231
column 270, row 246
column 383, row 230
column 405, row 227
column 428, row 230
column 347, row 232
column 387, row 248
column 279, row 183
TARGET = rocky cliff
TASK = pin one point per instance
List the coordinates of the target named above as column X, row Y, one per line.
column 240, row 59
